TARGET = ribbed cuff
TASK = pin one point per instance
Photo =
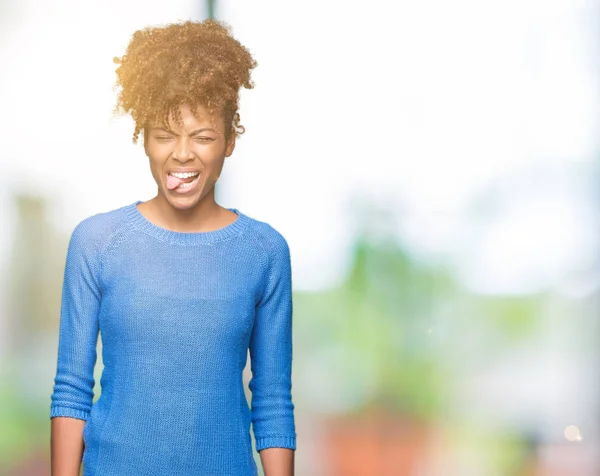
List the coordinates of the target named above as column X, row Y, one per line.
column 58, row 410
column 276, row 442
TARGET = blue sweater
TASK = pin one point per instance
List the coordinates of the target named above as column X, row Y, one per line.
column 177, row 314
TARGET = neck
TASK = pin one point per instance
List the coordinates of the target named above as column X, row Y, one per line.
column 202, row 216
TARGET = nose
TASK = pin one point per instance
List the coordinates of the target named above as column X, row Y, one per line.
column 182, row 149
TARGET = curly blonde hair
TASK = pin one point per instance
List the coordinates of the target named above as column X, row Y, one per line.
column 195, row 63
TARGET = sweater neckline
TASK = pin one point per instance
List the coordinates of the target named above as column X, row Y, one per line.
column 140, row 222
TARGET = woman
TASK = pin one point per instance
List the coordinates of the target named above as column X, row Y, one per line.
column 179, row 289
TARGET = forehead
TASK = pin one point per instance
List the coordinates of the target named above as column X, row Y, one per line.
column 190, row 121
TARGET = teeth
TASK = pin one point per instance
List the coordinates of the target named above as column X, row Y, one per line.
column 183, row 174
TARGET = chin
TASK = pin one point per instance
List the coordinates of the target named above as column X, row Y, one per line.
column 182, row 202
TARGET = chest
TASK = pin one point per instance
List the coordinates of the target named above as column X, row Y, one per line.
column 182, row 295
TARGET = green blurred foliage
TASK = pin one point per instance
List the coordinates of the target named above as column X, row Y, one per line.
column 395, row 319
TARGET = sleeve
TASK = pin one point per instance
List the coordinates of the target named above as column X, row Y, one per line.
column 73, row 393
column 272, row 408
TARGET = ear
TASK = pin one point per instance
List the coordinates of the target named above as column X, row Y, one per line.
column 230, row 146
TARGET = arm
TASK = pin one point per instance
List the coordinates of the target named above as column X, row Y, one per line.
column 71, row 400
column 271, row 365
column 66, row 446
column 277, row 461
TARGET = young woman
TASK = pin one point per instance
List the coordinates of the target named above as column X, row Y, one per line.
column 179, row 289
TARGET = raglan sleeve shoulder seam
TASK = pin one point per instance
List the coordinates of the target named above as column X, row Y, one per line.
column 101, row 236
column 273, row 246
column 87, row 238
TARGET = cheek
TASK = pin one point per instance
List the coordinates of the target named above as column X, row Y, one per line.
column 218, row 168
column 156, row 168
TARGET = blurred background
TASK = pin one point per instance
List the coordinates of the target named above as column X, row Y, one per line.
column 434, row 167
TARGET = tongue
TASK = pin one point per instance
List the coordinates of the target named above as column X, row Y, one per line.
column 173, row 182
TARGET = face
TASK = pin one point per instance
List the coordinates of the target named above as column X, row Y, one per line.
column 197, row 146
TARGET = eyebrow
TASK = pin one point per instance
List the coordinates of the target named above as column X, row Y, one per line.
column 194, row 132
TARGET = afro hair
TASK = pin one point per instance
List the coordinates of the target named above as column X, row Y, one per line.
column 195, row 63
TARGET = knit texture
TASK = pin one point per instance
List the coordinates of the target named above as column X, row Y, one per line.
column 177, row 314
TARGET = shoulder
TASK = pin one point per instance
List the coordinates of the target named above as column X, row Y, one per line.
column 269, row 239
column 94, row 232
column 273, row 250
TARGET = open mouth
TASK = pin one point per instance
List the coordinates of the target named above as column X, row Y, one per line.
column 182, row 182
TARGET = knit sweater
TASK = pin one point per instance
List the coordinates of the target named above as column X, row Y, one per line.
column 177, row 313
